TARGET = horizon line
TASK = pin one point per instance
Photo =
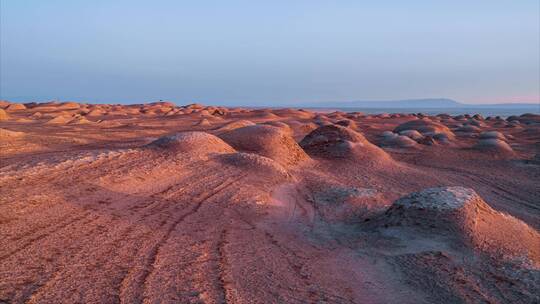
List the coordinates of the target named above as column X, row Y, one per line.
column 23, row 99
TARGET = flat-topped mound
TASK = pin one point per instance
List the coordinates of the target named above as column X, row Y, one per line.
column 195, row 143
column 266, row 140
column 334, row 141
column 461, row 213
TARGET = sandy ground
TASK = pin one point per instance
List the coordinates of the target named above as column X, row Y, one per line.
column 105, row 204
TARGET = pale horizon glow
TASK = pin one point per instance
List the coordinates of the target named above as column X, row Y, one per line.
column 243, row 52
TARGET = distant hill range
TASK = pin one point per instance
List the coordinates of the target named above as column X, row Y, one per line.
column 417, row 103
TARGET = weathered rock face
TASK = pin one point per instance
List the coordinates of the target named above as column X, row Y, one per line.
column 461, row 213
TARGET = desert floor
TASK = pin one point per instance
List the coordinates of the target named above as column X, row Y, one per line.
column 157, row 203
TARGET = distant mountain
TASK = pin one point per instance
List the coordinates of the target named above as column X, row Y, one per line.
column 425, row 103
column 505, row 105
column 408, row 103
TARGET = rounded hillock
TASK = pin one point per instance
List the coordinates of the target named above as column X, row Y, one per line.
column 494, row 145
column 254, row 164
column 195, row 143
column 461, row 214
column 426, row 127
column 333, row 141
column 3, row 115
column 269, row 141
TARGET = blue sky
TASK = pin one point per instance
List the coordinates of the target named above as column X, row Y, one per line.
column 265, row 52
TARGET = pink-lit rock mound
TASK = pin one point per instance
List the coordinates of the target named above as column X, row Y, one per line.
column 427, row 127
column 395, row 140
column 334, row 141
column 265, row 140
column 9, row 135
column 460, row 212
column 196, row 143
column 3, row 115
column 259, row 165
column 15, row 107
column 235, row 125
column 494, row 145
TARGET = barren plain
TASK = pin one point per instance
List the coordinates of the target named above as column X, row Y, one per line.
column 158, row 203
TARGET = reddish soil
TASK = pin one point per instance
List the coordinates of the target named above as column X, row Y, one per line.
column 115, row 204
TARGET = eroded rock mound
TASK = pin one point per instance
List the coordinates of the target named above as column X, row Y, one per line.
column 69, row 106
column 59, row 120
column 461, row 213
column 529, row 118
column 10, row 135
column 293, row 113
column 492, row 134
column 426, row 127
column 283, row 126
column 347, row 123
column 255, row 164
column 195, row 143
column 494, row 145
column 395, row 140
column 340, row 203
column 235, row 125
column 203, row 123
column 3, row 115
column 468, row 129
column 15, row 107
column 269, row 141
column 412, row 134
column 333, row 141
column 80, row 120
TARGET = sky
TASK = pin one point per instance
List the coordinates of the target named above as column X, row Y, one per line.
column 269, row 52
